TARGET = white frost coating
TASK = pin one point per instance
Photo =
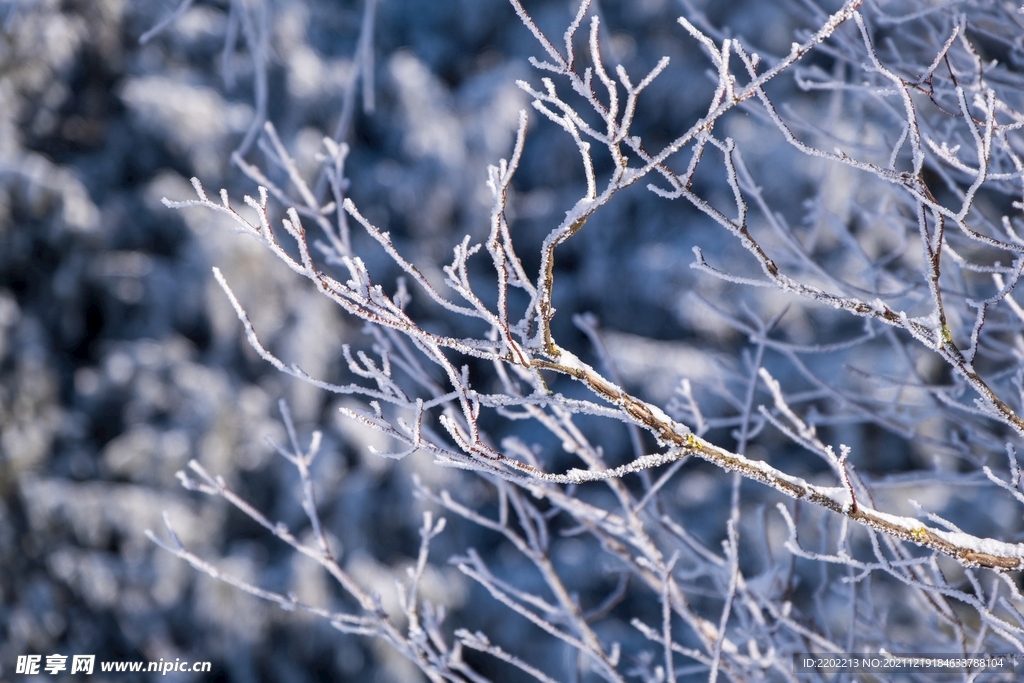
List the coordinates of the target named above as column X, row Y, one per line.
column 908, row 523
column 579, row 209
column 570, row 361
column 913, row 526
column 836, row 494
column 770, row 473
column 660, row 415
column 986, row 546
column 644, row 462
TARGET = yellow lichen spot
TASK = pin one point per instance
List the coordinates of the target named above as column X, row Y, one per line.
column 947, row 336
column 920, row 533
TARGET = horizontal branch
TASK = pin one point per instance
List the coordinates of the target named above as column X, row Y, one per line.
column 965, row 548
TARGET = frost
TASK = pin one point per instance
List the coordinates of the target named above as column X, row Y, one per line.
column 444, row 260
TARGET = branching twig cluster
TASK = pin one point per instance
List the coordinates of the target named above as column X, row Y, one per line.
column 955, row 140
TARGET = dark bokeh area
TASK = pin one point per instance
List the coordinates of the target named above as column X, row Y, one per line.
column 121, row 359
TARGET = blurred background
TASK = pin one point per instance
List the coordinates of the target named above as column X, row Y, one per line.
column 121, row 360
